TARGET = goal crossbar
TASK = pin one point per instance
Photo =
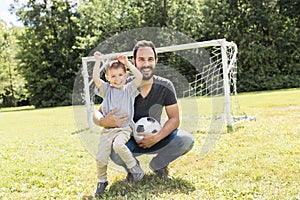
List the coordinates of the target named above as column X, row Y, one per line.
column 165, row 49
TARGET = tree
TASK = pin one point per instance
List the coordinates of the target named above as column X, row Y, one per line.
column 47, row 58
column 12, row 84
column 56, row 35
column 266, row 37
column 101, row 19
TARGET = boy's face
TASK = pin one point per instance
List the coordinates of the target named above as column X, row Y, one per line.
column 145, row 61
column 116, row 77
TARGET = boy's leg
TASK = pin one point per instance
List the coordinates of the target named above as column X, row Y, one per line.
column 131, row 144
column 119, row 147
column 104, row 149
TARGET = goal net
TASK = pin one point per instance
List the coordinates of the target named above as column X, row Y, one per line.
column 205, row 78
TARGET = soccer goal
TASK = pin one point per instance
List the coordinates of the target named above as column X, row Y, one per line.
column 211, row 71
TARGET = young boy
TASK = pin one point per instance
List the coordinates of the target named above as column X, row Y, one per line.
column 116, row 95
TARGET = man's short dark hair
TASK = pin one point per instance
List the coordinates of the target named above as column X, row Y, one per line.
column 144, row 43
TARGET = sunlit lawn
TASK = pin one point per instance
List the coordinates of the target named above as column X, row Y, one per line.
column 42, row 157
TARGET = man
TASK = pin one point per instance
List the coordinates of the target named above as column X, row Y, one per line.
column 156, row 92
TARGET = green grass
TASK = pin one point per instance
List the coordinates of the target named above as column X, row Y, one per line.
column 41, row 157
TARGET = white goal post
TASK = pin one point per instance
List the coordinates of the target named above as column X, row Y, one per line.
column 224, row 59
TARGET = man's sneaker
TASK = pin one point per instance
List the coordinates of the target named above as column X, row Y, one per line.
column 100, row 188
column 136, row 172
column 163, row 173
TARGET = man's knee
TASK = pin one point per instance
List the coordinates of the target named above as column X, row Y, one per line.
column 186, row 140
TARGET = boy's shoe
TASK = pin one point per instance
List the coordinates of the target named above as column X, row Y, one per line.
column 136, row 172
column 100, row 188
column 163, row 173
column 129, row 178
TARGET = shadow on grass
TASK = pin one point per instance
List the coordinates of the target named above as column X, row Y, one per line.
column 149, row 187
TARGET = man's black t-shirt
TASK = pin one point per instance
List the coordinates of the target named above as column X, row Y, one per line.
column 162, row 94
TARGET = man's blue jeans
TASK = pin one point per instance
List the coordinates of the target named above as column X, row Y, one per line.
column 176, row 144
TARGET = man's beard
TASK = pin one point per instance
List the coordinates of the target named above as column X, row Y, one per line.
column 146, row 78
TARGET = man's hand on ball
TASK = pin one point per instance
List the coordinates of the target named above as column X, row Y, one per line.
column 149, row 139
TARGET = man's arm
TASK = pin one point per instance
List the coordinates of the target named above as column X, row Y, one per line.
column 171, row 124
column 110, row 120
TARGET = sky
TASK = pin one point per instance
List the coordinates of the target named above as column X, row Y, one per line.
column 5, row 14
column 11, row 18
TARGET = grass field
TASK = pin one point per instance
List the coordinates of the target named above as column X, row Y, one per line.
column 42, row 157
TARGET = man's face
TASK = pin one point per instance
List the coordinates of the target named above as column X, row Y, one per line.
column 145, row 61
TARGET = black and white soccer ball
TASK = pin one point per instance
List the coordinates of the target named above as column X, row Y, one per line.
column 146, row 124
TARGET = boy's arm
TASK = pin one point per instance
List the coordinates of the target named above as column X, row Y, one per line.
column 137, row 74
column 96, row 70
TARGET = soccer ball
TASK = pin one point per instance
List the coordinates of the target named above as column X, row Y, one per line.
column 146, row 124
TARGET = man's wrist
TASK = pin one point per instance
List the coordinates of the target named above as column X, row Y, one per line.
column 157, row 137
column 98, row 118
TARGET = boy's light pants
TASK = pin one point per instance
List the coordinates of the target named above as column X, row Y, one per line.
column 115, row 138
